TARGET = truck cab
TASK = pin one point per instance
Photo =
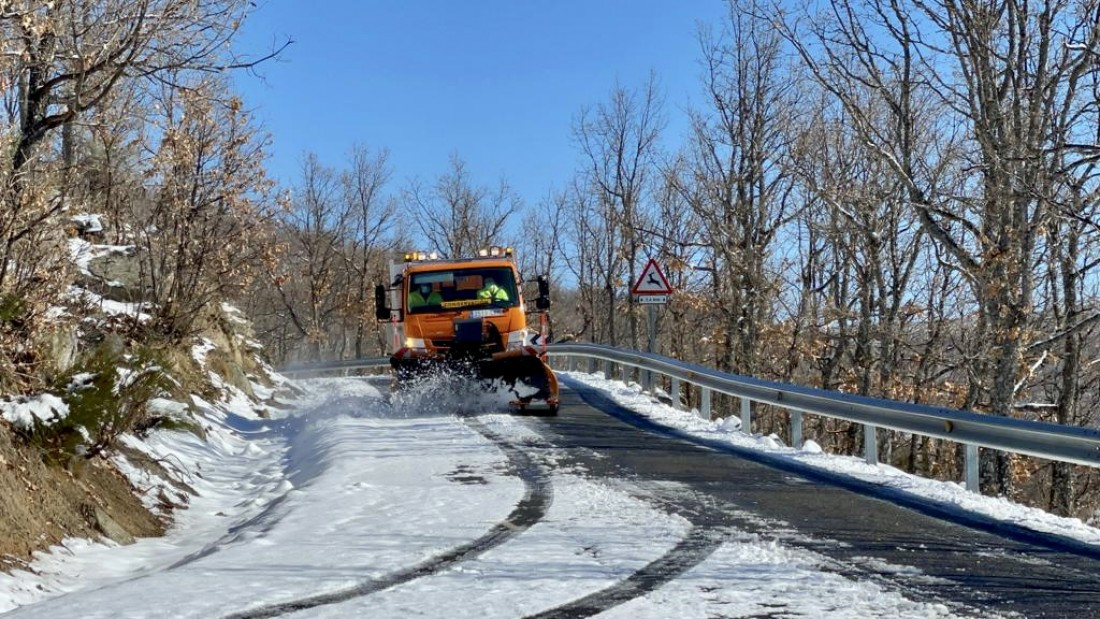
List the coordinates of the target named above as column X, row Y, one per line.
column 437, row 304
column 439, row 298
column 464, row 317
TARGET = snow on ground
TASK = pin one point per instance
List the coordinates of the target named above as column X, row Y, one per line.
column 756, row 578
column 24, row 412
column 728, row 429
column 596, row 536
column 236, row 472
column 592, row 538
column 347, row 487
column 89, row 222
column 107, row 306
column 358, row 495
column 200, row 349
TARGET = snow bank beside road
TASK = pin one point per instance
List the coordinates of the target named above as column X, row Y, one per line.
column 341, row 489
column 232, row 475
column 947, row 493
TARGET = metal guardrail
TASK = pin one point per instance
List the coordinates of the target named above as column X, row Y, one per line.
column 328, row 366
column 974, row 430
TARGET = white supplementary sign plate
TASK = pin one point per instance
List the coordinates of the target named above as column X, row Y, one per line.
column 651, row 299
column 652, row 281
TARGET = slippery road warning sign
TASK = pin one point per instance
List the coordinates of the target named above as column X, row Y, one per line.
column 652, row 281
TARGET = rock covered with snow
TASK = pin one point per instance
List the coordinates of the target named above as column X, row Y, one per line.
column 87, row 224
column 111, row 271
column 108, row 277
column 730, row 424
column 227, row 351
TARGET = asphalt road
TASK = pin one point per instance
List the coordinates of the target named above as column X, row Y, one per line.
column 923, row 551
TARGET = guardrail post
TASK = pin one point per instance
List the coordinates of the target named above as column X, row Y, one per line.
column 870, row 443
column 972, row 481
column 592, row 365
column 796, row 429
column 572, row 363
column 609, row 369
column 746, row 416
column 675, row 393
column 704, row 404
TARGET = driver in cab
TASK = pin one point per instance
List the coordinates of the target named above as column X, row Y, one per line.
column 424, row 296
column 492, row 291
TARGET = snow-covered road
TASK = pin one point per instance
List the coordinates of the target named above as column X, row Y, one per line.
column 355, row 506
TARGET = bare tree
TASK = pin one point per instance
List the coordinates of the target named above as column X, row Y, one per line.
column 879, row 241
column 312, row 280
column 541, row 241
column 679, row 243
column 66, row 57
column 209, row 189
column 580, row 262
column 1068, row 298
column 619, row 141
column 1004, row 71
column 597, row 260
column 741, row 187
column 373, row 215
column 540, row 247
column 455, row 216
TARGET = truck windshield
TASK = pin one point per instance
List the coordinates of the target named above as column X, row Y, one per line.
column 459, row 289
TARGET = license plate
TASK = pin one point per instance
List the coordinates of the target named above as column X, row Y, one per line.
column 482, row 313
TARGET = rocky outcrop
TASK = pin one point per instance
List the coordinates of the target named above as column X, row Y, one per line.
column 41, row 503
column 110, row 271
column 115, row 274
column 45, row 500
column 233, row 356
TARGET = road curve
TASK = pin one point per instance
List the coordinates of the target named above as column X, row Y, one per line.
column 925, row 552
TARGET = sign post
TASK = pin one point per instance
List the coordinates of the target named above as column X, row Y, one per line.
column 651, row 289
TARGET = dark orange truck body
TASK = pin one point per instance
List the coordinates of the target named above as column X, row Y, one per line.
column 468, row 318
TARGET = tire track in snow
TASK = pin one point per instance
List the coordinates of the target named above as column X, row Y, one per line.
column 537, row 497
column 700, row 543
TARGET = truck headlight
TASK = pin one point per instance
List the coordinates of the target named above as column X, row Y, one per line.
column 414, row 342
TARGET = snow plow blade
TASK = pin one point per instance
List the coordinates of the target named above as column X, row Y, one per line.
column 529, row 378
column 521, row 371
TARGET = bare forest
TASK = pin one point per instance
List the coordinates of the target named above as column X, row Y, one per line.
column 896, row 199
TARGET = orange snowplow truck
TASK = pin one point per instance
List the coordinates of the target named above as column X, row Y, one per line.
column 467, row 317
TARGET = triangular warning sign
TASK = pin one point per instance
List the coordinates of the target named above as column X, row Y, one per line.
column 652, row 280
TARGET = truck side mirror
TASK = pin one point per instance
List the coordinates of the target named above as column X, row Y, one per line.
column 381, row 306
column 543, row 300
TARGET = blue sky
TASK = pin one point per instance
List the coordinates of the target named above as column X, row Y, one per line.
column 497, row 81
